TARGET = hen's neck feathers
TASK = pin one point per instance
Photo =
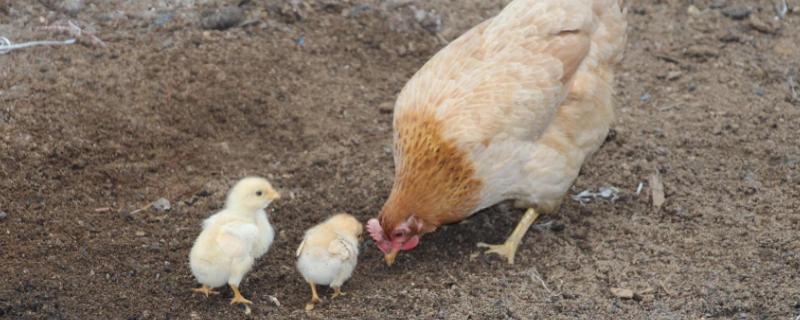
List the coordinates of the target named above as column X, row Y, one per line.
column 434, row 180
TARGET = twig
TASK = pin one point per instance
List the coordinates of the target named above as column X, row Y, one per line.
column 657, row 189
column 668, row 107
column 74, row 30
column 664, row 287
column 667, row 58
column 6, row 45
column 143, row 208
column 535, row 275
column 103, row 209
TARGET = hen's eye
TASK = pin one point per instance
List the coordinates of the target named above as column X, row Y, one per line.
column 258, row 193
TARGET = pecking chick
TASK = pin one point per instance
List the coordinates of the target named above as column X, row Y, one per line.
column 329, row 253
column 233, row 238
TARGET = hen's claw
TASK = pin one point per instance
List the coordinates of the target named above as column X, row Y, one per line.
column 506, row 250
column 509, row 248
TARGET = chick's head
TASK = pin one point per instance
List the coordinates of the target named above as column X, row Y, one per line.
column 347, row 223
column 251, row 194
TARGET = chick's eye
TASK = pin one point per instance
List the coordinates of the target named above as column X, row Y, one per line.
column 259, row 193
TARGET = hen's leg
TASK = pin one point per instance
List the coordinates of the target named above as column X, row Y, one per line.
column 314, row 297
column 206, row 290
column 509, row 248
column 237, row 296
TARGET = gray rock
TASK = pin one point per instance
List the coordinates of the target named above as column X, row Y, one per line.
column 3, row 215
column 737, row 13
column 162, row 205
column 222, row 19
column 718, row 4
column 163, row 17
column 71, row 7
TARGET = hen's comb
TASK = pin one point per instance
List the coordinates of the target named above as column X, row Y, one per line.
column 375, row 230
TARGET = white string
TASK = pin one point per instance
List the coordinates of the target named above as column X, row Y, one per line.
column 6, row 45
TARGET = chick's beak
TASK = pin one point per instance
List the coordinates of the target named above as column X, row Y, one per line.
column 391, row 256
column 275, row 195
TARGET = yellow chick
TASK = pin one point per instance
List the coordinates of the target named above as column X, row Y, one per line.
column 329, row 253
column 233, row 238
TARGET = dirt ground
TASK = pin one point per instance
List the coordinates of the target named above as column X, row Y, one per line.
column 298, row 91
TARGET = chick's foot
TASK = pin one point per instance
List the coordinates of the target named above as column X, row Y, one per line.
column 205, row 290
column 238, row 298
column 337, row 292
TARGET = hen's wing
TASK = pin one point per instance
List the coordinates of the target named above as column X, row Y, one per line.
column 505, row 78
column 236, row 239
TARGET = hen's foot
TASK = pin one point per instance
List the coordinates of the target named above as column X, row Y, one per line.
column 509, row 248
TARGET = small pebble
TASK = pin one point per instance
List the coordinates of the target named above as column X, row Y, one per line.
column 737, row 13
column 645, row 97
column 3, row 215
column 702, row 51
column 762, row 26
column 163, row 17
column 72, row 7
column 693, row 11
column 718, row 4
column 622, row 293
column 730, row 37
column 222, row 19
column 140, row 233
column 386, row 107
column 162, row 204
column 674, row 75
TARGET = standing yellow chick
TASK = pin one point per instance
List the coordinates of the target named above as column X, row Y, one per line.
column 329, row 253
column 233, row 238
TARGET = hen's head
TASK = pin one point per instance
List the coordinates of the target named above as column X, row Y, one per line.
column 434, row 184
column 404, row 236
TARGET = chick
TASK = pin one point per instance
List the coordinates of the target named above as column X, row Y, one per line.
column 329, row 253
column 233, row 238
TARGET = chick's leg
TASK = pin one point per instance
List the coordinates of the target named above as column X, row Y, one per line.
column 509, row 248
column 239, row 268
column 337, row 291
column 314, row 297
column 206, row 290
column 237, row 296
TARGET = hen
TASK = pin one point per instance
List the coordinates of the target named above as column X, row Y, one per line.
column 509, row 110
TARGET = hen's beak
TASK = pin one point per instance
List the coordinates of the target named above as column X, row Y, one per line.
column 391, row 256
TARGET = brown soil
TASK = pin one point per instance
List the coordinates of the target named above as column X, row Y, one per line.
column 171, row 110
